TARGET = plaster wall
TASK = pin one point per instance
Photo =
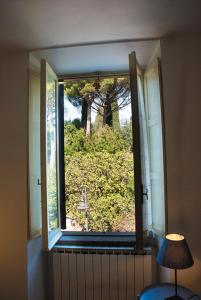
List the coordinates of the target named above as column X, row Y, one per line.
column 181, row 71
column 13, row 175
column 181, row 65
column 37, row 271
column 37, row 265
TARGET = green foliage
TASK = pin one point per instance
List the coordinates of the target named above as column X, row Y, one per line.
column 98, row 124
column 102, row 95
column 126, row 135
column 51, row 156
column 82, row 93
column 79, row 90
column 103, row 165
column 77, row 123
column 52, row 197
column 100, row 163
column 115, row 116
column 105, row 139
column 113, row 83
column 74, row 139
column 109, row 184
column 88, row 89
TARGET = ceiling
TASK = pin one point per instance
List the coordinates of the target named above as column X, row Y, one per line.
column 33, row 24
column 97, row 58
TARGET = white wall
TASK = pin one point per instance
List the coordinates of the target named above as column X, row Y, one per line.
column 37, row 271
column 181, row 66
column 181, row 70
column 13, row 175
column 22, row 266
column 37, row 266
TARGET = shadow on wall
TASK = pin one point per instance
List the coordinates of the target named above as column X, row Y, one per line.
column 181, row 64
column 37, row 285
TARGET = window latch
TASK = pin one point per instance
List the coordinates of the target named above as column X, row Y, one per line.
column 38, row 182
column 145, row 193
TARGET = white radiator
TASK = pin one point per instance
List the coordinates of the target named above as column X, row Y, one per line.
column 95, row 276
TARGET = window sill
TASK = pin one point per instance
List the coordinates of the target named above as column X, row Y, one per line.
column 98, row 239
column 98, row 243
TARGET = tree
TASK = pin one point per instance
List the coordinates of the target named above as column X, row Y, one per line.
column 112, row 121
column 108, row 179
column 82, row 93
column 112, row 94
column 115, row 116
column 103, row 165
column 74, row 139
column 106, row 96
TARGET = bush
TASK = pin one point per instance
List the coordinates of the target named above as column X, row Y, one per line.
column 108, row 179
column 103, row 165
column 74, row 139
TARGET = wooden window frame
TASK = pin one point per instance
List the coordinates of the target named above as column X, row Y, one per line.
column 138, row 234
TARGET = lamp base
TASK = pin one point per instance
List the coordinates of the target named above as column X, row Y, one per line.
column 174, row 298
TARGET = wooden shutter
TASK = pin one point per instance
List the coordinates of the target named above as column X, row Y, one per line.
column 49, row 159
column 145, row 159
column 136, row 149
column 35, row 219
column 155, row 141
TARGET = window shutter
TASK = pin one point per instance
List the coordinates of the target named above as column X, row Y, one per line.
column 51, row 231
column 35, row 219
column 145, row 160
column 136, row 149
column 155, row 143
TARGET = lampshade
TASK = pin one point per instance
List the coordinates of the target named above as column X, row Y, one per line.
column 174, row 253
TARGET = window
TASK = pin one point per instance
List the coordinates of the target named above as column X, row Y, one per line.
column 35, row 220
column 98, row 151
column 49, row 156
column 154, row 121
column 93, row 137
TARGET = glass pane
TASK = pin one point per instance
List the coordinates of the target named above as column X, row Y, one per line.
column 145, row 162
column 156, row 150
column 51, row 160
column 34, row 155
column 99, row 175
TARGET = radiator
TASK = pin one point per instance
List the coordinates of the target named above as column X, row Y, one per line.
column 100, row 276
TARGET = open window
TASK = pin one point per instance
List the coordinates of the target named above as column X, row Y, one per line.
column 98, row 152
column 49, row 157
column 91, row 178
column 146, row 93
column 35, row 217
column 156, row 146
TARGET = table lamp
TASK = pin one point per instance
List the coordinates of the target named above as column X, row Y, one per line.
column 174, row 253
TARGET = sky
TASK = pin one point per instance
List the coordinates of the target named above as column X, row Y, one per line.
column 71, row 112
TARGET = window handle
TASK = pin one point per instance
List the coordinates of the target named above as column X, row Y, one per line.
column 38, row 182
column 145, row 193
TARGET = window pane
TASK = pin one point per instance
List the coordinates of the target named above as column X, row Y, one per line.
column 34, row 155
column 99, row 175
column 51, row 153
column 153, row 108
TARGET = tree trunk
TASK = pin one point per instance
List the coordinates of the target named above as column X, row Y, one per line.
column 88, row 124
column 115, row 116
column 98, row 120
column 84, row 113
column 107, row 114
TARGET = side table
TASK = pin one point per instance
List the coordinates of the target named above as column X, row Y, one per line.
column 164, row 290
